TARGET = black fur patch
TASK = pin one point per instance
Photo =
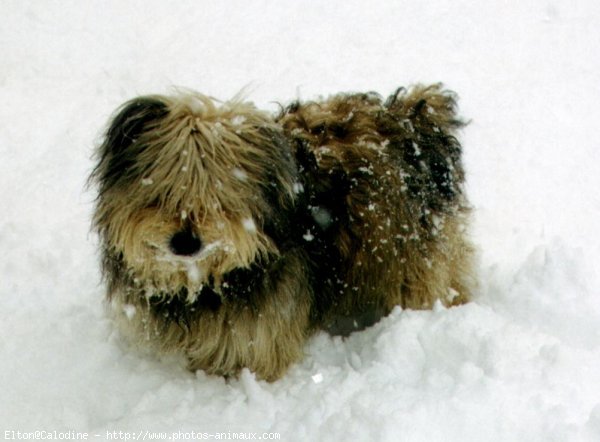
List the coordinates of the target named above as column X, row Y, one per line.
column 429, row 155
column 178, row 310
column 117, row 158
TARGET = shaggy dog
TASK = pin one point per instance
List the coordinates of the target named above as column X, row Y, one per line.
column 230, row 235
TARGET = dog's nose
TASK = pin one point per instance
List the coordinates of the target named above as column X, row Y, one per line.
column 185, row 243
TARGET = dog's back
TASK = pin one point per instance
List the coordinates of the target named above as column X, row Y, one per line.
column 384, row 184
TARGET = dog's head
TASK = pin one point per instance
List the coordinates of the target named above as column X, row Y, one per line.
column 190, row 189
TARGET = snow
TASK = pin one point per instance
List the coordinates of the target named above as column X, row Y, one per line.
column 322, row 216
column 519, row 363
column 238, row 120
column 249, row 225
column 308, row 236
column 239, row 174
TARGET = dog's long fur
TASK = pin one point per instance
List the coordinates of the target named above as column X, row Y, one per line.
column 230, row 235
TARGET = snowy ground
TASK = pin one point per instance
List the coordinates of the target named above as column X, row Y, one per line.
column 520, row 363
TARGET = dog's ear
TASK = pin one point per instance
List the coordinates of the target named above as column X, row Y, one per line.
column 131, row 120
column 116, row 158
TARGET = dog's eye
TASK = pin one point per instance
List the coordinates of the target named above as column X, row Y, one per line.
column 318, row 130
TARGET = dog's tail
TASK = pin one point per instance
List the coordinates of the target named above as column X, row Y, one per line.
column 421, row 123
column 431, row 103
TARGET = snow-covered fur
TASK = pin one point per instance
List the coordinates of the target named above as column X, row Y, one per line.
column 230, row 235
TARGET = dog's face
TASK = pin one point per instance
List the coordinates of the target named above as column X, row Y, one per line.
column 188, row 189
